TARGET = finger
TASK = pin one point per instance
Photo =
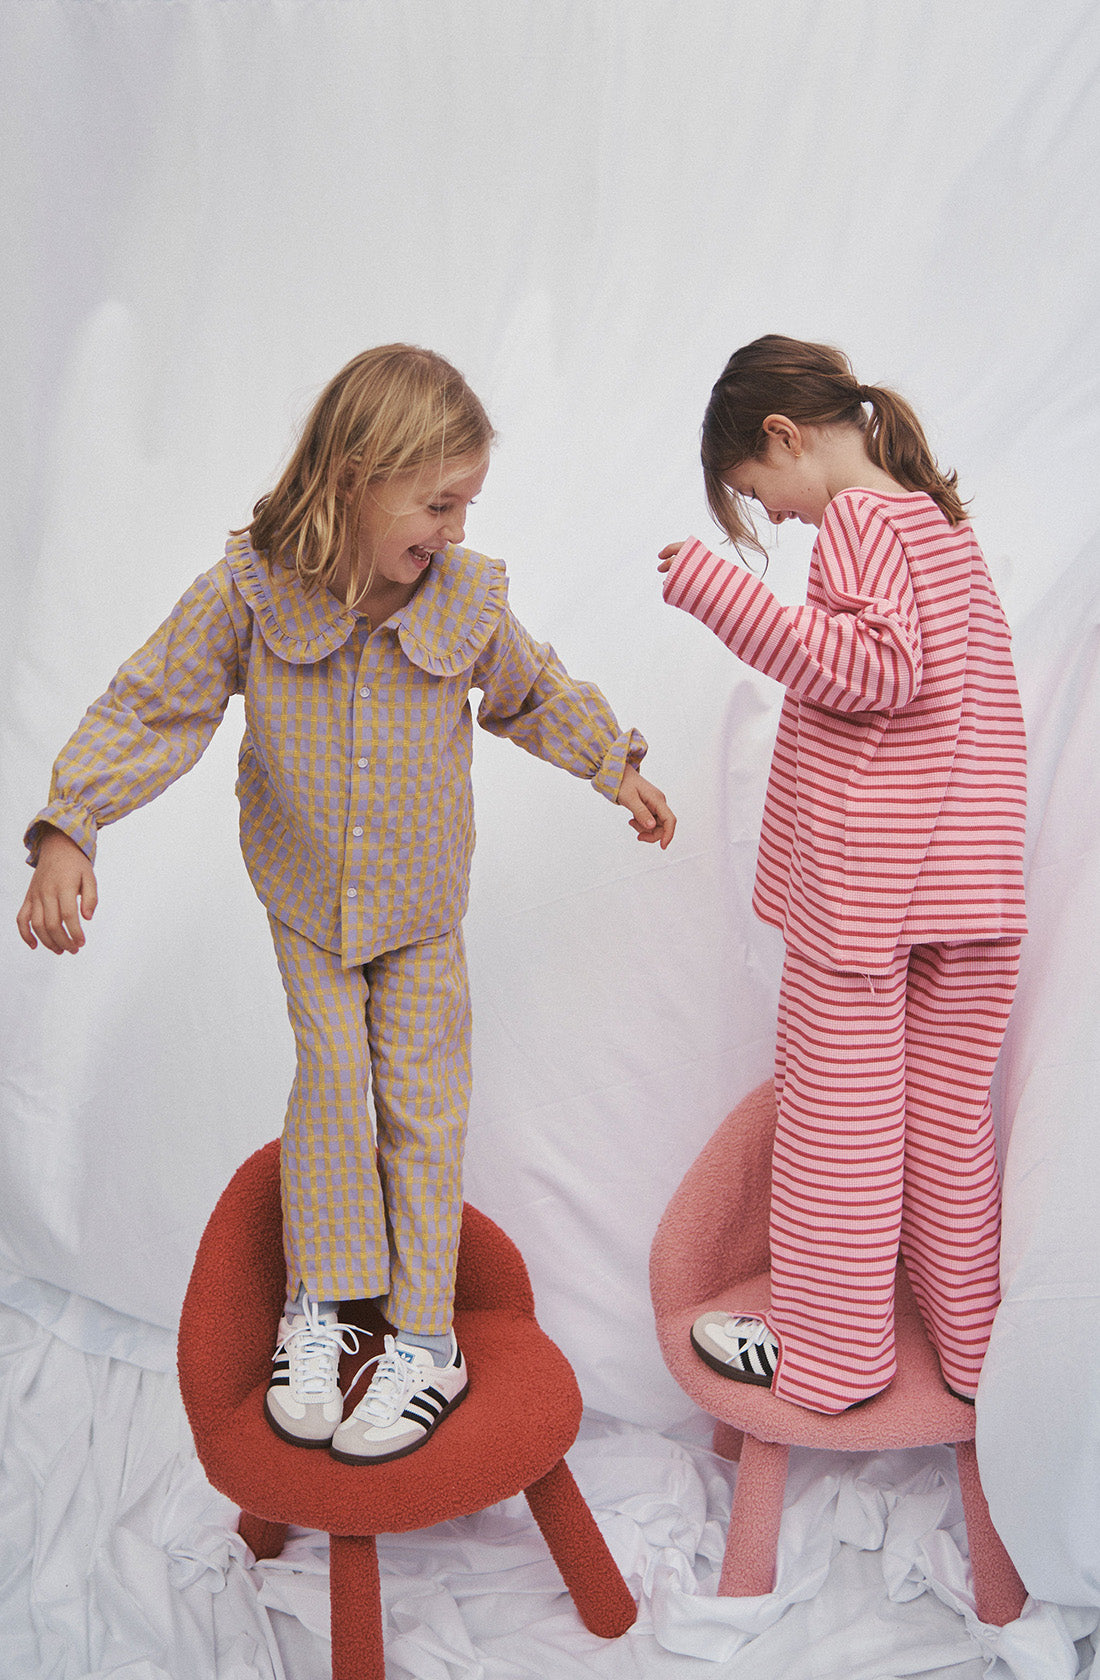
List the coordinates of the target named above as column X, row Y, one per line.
column 23, row 923
column 670, row 551
column 52, row 926
column 89, row 896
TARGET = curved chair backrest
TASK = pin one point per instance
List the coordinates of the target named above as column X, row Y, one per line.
column 714, row 1231
column 230, row 1313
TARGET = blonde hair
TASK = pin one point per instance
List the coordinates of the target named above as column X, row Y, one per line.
column 395, row 409
column 813, row 385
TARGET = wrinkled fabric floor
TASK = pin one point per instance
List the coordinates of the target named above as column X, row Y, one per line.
column 117, row 1559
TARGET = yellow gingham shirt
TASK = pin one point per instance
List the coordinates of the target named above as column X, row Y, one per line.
column 354, row 774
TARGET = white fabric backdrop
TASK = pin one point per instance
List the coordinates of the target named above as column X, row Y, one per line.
column 587, row 206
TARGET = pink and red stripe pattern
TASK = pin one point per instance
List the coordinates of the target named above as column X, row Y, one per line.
column 885, row 1135
column 897, row 796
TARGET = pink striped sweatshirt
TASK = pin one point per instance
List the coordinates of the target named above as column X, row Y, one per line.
column 897, row 795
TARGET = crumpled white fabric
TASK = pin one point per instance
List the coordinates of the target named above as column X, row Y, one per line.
column 119, row 1562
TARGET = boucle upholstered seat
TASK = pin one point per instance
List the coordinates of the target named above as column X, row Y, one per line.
column 509, row 1435
column 711, row 1251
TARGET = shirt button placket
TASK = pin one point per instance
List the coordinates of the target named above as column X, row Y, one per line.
column 363, row 692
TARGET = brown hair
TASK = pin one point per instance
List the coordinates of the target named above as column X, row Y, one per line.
column 813, row 385
column 394, row 409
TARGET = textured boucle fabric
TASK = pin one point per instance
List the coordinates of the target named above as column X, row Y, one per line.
column 508, row 1436
column 711, row 1251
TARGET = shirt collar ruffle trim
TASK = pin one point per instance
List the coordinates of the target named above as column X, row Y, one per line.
column 442, row 630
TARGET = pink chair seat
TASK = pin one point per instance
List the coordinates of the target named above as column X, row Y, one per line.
column 710, row 1251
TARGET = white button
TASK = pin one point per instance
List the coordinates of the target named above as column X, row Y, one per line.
column 357, row 832
column 364, row 694
column 362, row 763
column 352, row 893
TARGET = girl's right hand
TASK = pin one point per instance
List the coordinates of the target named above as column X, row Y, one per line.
column 62, row 890
column 668, row 555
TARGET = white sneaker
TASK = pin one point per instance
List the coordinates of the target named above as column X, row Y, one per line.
column 408, row 1396
column 739, row 1347
column 303, row 1403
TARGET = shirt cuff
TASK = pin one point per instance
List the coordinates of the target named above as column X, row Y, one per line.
column 630, row 748
column 80, row 828
column 682, row 573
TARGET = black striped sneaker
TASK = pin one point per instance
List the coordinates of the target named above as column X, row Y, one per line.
column 303, row 1403
column 408, row 1396
column 741, row 1348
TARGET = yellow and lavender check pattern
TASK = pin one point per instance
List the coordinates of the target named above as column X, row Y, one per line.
column 354, row 778
column 405, row 1020
column 357, row 831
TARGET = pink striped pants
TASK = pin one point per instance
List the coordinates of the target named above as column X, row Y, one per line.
column 885, row 1137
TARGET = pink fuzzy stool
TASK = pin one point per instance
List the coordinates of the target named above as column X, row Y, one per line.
column 508, row 1436
column 711, row 1251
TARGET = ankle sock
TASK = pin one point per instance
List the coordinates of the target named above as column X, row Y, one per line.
column 296, row 1306
column 438, row 1346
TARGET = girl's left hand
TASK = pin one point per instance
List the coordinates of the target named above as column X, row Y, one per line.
column 650, row 817
column 668, row 555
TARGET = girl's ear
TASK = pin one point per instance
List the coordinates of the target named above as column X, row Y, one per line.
column 786, row 434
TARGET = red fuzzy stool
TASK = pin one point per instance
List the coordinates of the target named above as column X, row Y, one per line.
column 509, row 1435
column 711, row 1251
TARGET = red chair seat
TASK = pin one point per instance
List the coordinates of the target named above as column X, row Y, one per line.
column 508, row 1435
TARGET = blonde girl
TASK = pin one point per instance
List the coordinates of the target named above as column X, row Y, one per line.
column 355, row 627
column 890, row 858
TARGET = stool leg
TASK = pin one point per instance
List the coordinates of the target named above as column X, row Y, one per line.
column 264, row 1539
column 727, row 1441
column 356, row 1608
column 599, row 1592
column 999, row 1592
column 748, row 1569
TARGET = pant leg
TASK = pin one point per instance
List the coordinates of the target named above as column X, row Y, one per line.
column 959, row 997
column 837, row 1182
column 418, row 1021
column 334, row 1223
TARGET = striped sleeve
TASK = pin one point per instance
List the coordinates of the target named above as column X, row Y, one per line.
column 528, row 697
column 858, row 651
column 154, row 721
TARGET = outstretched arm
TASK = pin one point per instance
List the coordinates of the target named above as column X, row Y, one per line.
column 61, row 893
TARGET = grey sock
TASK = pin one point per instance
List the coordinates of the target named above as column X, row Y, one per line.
column 297, row 1305
column 438, row 1346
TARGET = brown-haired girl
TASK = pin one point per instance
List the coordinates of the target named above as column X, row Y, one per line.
column 890, row 858
column 355, row 627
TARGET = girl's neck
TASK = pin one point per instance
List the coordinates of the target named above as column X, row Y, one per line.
column 847, row 464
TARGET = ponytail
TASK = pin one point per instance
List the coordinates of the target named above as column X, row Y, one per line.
column 894, row 440
column 813, row 385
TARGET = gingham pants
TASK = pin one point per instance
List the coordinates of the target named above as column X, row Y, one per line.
column 885, row 1135
column 357, row 1223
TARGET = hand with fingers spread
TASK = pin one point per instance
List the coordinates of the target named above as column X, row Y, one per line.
column 62, row 893
column 650, row 817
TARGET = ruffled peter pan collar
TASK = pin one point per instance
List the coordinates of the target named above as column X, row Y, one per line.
column 442, row 630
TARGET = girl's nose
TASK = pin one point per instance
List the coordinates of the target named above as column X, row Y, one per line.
column 454, row 528
column 777, row 518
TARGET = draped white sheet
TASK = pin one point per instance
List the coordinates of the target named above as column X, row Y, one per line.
column 586, row 206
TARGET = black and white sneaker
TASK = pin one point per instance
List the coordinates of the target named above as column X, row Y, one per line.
column 303, row 1403
column 408, row 1396
column 741, row 1348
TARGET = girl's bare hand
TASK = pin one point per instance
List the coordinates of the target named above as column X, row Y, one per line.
column 668, row 555
column 650, row 817
column 62, row 893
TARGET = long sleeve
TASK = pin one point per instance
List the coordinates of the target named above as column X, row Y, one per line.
column 155, row 719
column 857, row 649
column 529, row 697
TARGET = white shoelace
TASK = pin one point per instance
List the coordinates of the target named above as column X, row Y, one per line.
column 314, row 1349
column 396, row 1379
column 758, row 1336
